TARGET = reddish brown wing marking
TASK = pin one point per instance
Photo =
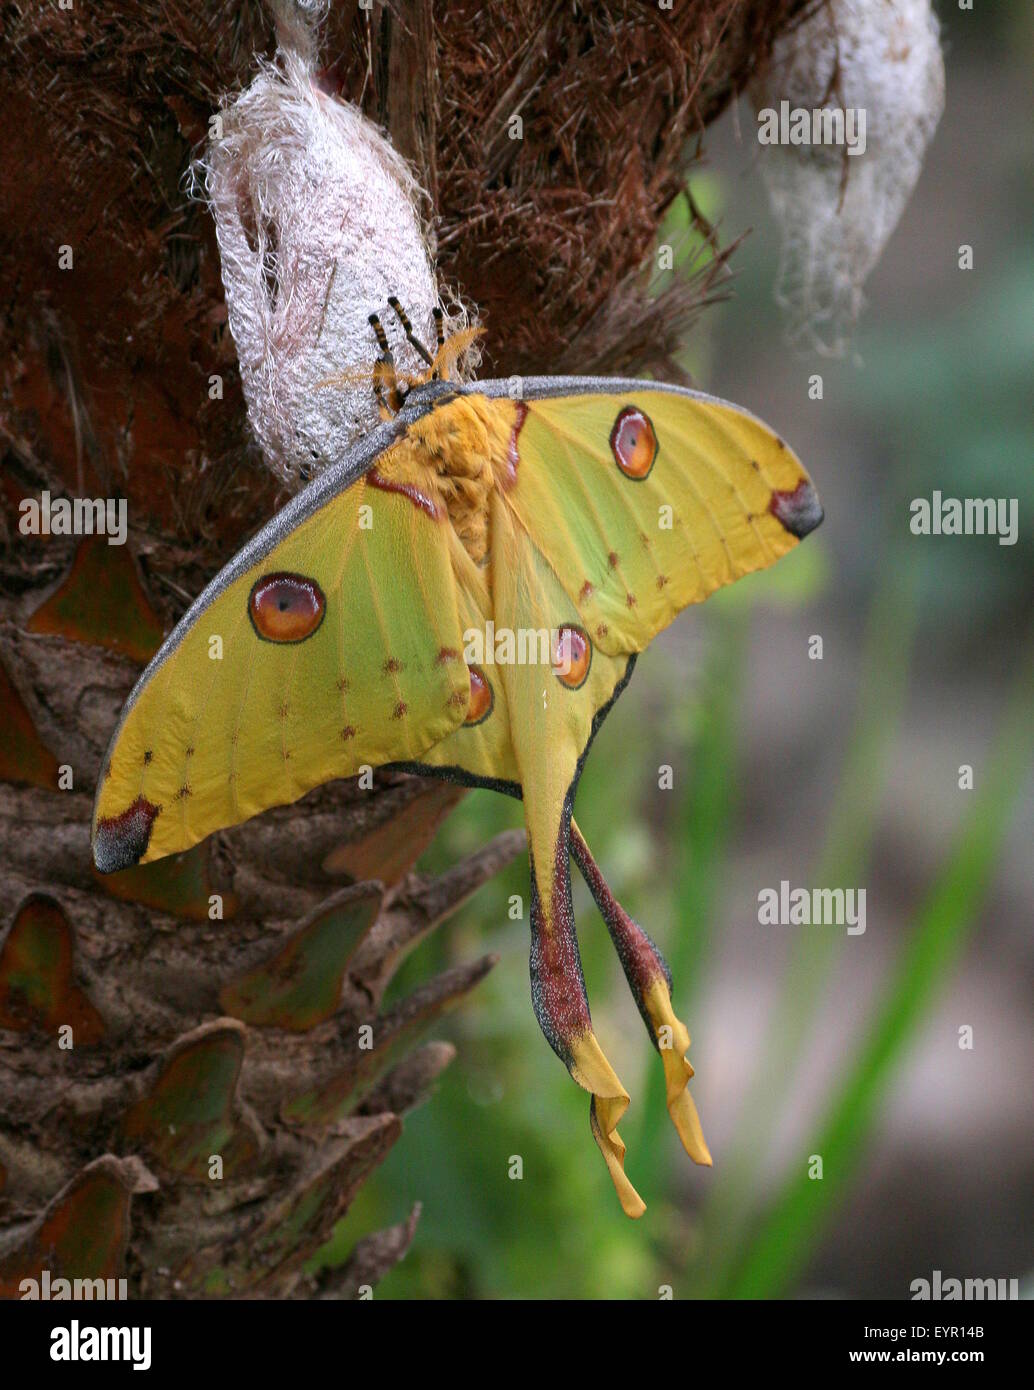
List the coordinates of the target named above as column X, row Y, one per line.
column 419, row 499
column 799, row 511
column 122, row 840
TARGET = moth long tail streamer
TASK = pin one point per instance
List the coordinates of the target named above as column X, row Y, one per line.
column 562, row 1009
column 650, row 981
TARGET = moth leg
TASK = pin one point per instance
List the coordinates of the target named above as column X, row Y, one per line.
column 378, row 391
column 385, row 379
column 562, row 1007
column 649, row 979
column 407, row 328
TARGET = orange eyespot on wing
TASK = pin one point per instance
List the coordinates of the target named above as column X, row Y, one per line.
column 286, row 607
column 481, row 697
column 572, row 656
column 633, row 442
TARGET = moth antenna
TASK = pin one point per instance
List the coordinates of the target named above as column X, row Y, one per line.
column 407, row 328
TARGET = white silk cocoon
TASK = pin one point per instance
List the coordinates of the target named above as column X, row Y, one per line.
column 317, row 220
column 837, row 211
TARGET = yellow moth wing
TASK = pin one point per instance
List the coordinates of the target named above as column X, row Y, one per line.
column 226, row 723
column 718, row 497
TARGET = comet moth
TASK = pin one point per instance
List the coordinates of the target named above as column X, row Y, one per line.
column 590, row 510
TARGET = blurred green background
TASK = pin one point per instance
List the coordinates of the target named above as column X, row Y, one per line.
column 843, row 771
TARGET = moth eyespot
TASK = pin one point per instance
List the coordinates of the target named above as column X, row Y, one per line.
column 572, row 656
column 633, row 442
column 479, row 706
column 286, row 607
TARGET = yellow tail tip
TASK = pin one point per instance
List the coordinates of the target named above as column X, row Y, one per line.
column 612, row 1147
column 609, row 1101
column 684, row 1116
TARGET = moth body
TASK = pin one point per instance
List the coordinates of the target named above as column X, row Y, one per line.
column 455, row 454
